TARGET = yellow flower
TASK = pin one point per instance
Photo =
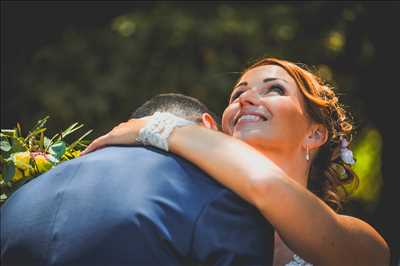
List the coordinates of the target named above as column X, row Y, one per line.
column 18, row 175
column 29, row 171
column 22, row 160
column 42, row 163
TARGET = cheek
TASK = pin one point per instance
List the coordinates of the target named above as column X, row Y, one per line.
column 227, row 118
column 289, row 112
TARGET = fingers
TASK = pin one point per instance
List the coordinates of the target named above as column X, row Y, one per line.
column 124, row 133
column 96, row 144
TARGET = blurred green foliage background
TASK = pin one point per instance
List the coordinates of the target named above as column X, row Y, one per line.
column 103, row 60
column 100, row 74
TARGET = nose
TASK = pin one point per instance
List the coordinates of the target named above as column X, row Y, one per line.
column 250, row 97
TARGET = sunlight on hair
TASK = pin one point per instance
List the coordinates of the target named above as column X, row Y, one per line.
column 368, row 151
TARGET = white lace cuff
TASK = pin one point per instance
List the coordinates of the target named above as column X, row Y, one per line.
column 159, row 128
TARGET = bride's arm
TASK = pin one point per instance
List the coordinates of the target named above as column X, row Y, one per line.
column 306, row 224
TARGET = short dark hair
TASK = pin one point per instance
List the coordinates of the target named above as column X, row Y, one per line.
column 178, row 104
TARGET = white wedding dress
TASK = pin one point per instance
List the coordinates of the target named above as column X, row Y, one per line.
column 297, row 261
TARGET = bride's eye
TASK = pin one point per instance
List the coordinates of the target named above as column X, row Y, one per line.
column 278, row 89
column 275, row 88
column 236, row 95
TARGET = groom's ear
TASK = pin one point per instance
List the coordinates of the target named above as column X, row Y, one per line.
column 208, row 121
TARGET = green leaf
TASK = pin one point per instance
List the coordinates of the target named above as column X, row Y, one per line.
column 54, row 139
column 39, row 124
column 3, row 157
column 38, row 128
column 72, row 146
column 5, row 146
column 57, row 149
column 60, row 136
column 18, row 145
column 8, row 170
column 3, row 197
column 41, row 141
column 19, row 131
column 52, row 159
column 47, row 142
column 10, row 133
column 74, row 127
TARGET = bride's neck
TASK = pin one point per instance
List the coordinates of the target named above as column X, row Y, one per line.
column 292, row 163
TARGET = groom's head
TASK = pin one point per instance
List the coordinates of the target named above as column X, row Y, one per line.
column 180, row 105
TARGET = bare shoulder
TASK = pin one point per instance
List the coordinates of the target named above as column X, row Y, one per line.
column 356, row 224
column 371, row 243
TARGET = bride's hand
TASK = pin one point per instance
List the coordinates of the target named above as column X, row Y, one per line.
column 124, row 133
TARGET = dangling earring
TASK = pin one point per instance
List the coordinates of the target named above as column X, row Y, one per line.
column 307, row 154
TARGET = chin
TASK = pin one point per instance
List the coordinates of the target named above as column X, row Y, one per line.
column 257, row 140
column 249, row 133
column 248, row 137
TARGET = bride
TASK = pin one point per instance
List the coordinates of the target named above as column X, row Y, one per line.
column 285, row 150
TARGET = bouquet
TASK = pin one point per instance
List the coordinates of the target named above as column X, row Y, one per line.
column 26, row 157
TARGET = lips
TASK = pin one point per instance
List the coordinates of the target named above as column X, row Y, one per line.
column 250, row 117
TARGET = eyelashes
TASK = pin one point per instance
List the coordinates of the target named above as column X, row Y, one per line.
column 277, row 88
column 236, row 95
column 274, row 88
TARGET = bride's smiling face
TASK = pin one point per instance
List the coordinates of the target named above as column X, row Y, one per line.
column 266, row 109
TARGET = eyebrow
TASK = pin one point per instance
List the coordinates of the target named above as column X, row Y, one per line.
column 265, row 81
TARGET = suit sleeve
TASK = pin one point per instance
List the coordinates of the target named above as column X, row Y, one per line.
column 229, row 231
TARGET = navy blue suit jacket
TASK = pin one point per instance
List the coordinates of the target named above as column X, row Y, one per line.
column 131, row 206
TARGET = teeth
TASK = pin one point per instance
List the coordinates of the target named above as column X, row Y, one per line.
column 250, row 118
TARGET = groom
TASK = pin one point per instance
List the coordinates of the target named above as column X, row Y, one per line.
column 133, row 206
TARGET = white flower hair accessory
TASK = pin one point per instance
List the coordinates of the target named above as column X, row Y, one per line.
column 345, row 153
